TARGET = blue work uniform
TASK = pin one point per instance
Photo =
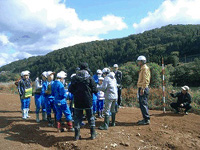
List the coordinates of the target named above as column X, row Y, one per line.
column 39, row 99
column 60, row 95
column 44, row 96
column 94, row 101
column 50, row 104
column 22, row 86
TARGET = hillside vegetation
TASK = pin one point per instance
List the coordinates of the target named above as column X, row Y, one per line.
column 171, row 42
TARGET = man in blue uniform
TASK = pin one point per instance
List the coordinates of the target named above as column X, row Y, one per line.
column 39, row 103
column 44, row 96
column 50, row 98
column 58, row 91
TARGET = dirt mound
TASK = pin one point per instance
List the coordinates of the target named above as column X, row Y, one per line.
column 166, row 131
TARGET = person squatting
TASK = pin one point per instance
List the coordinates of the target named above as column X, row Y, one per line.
column 87, row 95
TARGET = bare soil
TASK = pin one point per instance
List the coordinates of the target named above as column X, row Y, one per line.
column 166, row 131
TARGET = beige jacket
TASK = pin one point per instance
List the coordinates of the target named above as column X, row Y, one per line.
column 144, row 77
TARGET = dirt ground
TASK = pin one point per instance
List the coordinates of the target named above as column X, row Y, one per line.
column 166, row 131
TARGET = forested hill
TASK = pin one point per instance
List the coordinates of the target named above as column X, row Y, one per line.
column 168, row 41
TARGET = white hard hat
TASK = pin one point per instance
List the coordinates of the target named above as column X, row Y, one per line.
column 112, row 74
column 44, row 74
column 101, row 78
column 24, row 73
column 49, row 73
column 99, row 71
column 185, row 88
column 61, row 74
column 27, row 72
column 106, row 70
column 143, row 58
column 72, row 75
column 115, row 65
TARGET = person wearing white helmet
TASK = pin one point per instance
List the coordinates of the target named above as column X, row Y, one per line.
column 143, row 89
column 100, row 99
column 97, row 76
column 109, row 87
column 58, row 91
column 184, row 100
column 96, row 79
column 44, row 96
column 50, row 105
column 118, row 77
column 38, row 99
column 25, row 92
column 105, row 71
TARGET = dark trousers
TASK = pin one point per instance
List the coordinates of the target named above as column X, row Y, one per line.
column 176, row 106
column 119, row 96
column 78, row 117
column 143, row 101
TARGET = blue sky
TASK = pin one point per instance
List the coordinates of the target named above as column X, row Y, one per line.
column 37, row 27
column 131, row 10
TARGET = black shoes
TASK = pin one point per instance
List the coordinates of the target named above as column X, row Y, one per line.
column 143, row 122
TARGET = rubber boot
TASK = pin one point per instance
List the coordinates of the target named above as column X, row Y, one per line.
column 27, row 110
column 49, row 121
column 70, row 126
column 113, row 119
column 106, row 123
column 99, row 114
column 116, row 107
column 93, row 133
column 44, row 116
column 55, row 121
column 59, row 126
column 37, row 118
column 94, row 116
column 102, row 113
column 77, row 134
column 24, row 114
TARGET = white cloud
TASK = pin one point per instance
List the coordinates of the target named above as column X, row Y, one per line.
column 3, row 39
column 8, row 58
column 39, row 26
column 171, row 12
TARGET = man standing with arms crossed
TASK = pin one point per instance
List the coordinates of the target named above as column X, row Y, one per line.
column 143, row 89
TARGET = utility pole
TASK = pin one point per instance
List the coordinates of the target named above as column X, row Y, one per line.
column 163, row 87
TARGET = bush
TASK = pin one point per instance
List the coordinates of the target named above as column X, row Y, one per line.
column 130, row 75
column 8, row 76
column 155, row 100
column 8, row 87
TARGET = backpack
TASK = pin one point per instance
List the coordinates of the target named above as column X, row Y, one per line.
column 17, row 82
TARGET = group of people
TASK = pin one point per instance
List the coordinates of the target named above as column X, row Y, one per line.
column 88, row 95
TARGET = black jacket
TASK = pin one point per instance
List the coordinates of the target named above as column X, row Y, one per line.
column 182, row 99
column 82, row 87
column 22, row 85
column 118, row 76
